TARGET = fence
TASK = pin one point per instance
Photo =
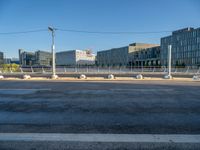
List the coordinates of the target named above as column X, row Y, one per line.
column 95, row 69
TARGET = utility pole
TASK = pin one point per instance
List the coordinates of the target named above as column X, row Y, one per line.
column 54, row 76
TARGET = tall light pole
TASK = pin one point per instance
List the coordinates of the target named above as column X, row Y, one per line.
column 169, row 76
column 54, row 76
column 169, row 60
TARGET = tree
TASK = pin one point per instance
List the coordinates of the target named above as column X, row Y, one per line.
column 9, row 67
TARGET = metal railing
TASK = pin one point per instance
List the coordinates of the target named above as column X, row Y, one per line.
column 96, row 70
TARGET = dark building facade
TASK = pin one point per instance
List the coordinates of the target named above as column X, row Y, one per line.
column 26, row 58
column 1, row 58
column 185, row 47
column 122, row 56
column 38, row 58
column 43, row 58
column 146, row 57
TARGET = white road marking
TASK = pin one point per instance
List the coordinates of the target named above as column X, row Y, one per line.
column 132, row 138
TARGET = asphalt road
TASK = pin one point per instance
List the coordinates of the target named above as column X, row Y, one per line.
column 134, row 107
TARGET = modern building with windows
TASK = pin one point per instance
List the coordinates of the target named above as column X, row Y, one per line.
column 113, row 57
column 38, row 58
column 185, row 47
column 43, row 58
column 146, row 57
column 1, row 58
column 75, row 57
column 14, row 60
column 26, row 58
column 122, row 56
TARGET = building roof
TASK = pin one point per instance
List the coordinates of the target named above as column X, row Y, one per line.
column 183, row 30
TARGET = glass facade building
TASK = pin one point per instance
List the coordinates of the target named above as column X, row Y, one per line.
column 1, row 58
column 146, row 57
column 122, row 56
column 185, row 47
column 38, row 58
column 43, row 58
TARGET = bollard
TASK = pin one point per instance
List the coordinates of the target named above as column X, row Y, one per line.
column 82, row 76
column 26, row 77
column 111, row 76
column 168, row 76
column 139, row 76
column 54, row 77
column 1, row 77
column 196, row 77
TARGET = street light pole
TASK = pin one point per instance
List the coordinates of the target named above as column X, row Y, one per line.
column 169, row 60
column 54, row 76
column 169, row 76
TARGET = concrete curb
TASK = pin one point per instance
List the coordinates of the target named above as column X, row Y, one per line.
column 105, row 79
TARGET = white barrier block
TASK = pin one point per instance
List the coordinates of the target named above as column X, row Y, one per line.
column 111, row 76
column 54, row 77
column 196, row 77
column 168, row 77
column 82, row 76
column 139, row 76
column 26, row 77
column 1, row 77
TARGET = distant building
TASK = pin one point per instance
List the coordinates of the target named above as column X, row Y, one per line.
column 15, row 60
column 11, row 61
column 113, row 57
column 7, row 60
column 185, row 47
column 43, row 58
column 122, row 56
column 26, row 58
column 146, row 57
column 1, row 58
column 38, row 58
column 75, row 57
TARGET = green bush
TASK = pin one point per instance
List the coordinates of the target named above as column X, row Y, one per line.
column 9, row 67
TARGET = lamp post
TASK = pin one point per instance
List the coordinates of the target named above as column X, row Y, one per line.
column 54, row 76
column 169, row 76
column 169, row 60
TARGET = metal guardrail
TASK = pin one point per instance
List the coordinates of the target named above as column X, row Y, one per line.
column 92, row 69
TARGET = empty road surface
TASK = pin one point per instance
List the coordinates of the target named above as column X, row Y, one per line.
column 100, row 107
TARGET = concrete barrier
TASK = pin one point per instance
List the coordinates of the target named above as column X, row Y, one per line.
column 1, row 77
column 26, row 77
column 168, row 77
column 111, row 76
column 54, row 77
column 82, row 76
column 196, row 77
column 139, row 76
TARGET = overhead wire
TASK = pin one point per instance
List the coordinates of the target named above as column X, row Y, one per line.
column 83, row 31
column 23, row 32
column 104, row 32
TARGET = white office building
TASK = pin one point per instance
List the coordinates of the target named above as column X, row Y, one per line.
column 75, row 57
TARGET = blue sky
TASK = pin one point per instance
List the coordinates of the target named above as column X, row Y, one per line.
column 91, row 15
